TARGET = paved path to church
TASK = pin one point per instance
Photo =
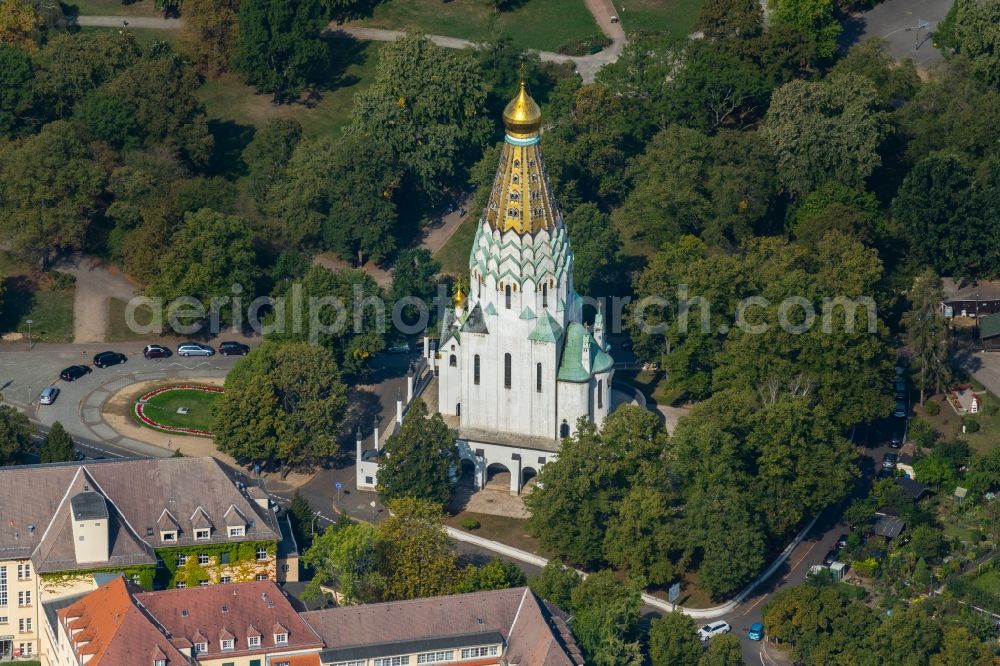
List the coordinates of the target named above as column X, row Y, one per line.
column 96, row 284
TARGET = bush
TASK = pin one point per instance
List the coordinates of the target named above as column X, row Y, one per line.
column 932, row 407
column 585, row 46
column 989, row 409
column 62, row 280
column 469, row 523
column 971, row 425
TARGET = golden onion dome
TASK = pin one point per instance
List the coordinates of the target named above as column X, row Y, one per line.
column 522, row 117
column 459, row 299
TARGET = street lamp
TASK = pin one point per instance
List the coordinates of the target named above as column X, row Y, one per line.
column 29, row 334
column 312, row 525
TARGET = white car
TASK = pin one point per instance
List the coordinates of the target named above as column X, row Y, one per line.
column 714, row 629
column 48, row 395
column 195, row 349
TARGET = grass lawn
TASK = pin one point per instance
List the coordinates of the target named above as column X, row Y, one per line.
column 118, row 331
column 144, row 36
column 652, row 384
column 989, row 581
column 511, row 531
column 29, row 295
column 949, row 424
column 234, row 107
column 163, row 408
column 111, row 8
column 536, row 24
column 454, row 256
column 674, row 17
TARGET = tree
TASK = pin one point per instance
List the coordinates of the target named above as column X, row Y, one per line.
column 268, row 153
column 280, row 47
column 346, row 315
column 16, row 95
column 927, row 334
column 106, row 118
column 210, row 254
column 48, row 192
column 673, row 641
column 420, row 459
column 57, row 445
column 555, row 584
column 895, row 81
column 723, row 20
column 415, row 274
column 159, row 91
column 424, row 109
column 825, row 130
column 338, row 195
column 970, row 27
column 346, row 559
column 922, row 574
column 496, row 574
column 596, row 250
column 211, row 31
column 723, row 650
column 16, row 433
column 415, row 554
column 302, row 520
column 837, row 207
column 606, row 620
column 814, row 18
column 283, row 406
column 643, row 537
column 18, row 25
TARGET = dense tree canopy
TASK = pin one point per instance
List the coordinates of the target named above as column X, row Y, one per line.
column 16, row 433
column 211, row 30
column 420, row 460
column 57, row 445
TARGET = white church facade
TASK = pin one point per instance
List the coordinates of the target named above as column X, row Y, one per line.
column 516, row 367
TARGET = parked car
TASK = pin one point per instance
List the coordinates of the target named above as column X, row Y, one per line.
column 899, row 389
column 714, row 629
column 896, row 440
column 842, row 541
column 884, row 474
column 900, row 411
column 399, row 347
column 232, row 348
column 889, row 461
column 108, row 358
column 756, row 632
column 195, row 349
column 48, row 395
column 74, row 372
column 831, row 557
column 156, row 351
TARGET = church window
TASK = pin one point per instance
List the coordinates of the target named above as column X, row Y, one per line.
column 536, row 195
column 531, row 164
column 507, row 296
column 458, row 409
column 517, row 164
column 515, row 179
column 475, row 370
column 506, row 370
column 600, row 393
column 538, row 377
column 534, row 177
column 452, row 361
column 564, row 429
column 514, row 196
column 545, row 295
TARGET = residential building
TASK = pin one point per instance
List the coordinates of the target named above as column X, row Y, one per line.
column 502, row 627
column 163, row 522
column 970, row 298
column 242, row 624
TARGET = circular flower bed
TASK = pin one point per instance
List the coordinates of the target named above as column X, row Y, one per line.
column 141, row 403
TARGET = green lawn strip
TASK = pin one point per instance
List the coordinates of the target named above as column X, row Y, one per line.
column 237, row 106
column 111, row 8
column 510, row 531
column 674, row 17
column 545, row 25
column 454, row 256
column 163, row 408
column 30, row 295
column 118, row 330
column 144, row 36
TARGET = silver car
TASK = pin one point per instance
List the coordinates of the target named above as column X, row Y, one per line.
column 48, row 395
column 195, row 349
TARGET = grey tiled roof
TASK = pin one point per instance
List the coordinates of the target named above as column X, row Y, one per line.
column 36, row 508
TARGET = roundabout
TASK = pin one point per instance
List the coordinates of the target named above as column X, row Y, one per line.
column 184, row 409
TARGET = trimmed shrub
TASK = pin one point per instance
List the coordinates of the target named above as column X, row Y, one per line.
column 469, row 523
column 971, row 425
column 932, row 407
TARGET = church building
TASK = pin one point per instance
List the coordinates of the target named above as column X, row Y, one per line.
column 517, row 368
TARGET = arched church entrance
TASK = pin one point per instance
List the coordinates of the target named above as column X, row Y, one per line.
column 498, row 477
column 467, row 474
column 528, row 479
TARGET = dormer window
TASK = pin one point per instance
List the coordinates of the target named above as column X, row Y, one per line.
column 228, row 644
column 237, row 531
column 168, row 537
column 253, row 641
column 281, row 639
column 160, row 662
column 202, row 534
column 200, row 648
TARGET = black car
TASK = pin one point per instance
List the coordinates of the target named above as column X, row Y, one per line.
column 897, row 440
column 831, row 557
column 842, row 541
column 109, row 358
column 74, row 372
column 234, row 349
column 156, row 351
column 889, row 461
